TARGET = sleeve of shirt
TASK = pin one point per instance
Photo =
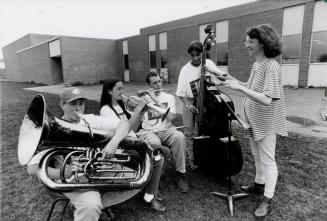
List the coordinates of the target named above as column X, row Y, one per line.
column 107, row 121
column 271, row 86
column 211, row 64
column 182, row 84
column 172, row 104
column 107, row 112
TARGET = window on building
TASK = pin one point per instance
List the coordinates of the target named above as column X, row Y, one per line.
column 163, row 49
column 152, row 51
column 319, row 47
column 319, row 34
column 125, row 55
column 292, row 34
column 163, row 59
column 222, row 54
column 291, row 49
column 126, row 63
column 222, row 43
column 153, row 63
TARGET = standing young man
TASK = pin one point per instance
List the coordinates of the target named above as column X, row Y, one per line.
column 189, row 73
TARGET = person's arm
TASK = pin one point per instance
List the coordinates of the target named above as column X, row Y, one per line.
column 212, row 68
column 53, row 173
column 188, row 104
column 172, row 105
column 221, row 75
column 256, row 96
column 170, row 116
column 238, row 81
column 123, row 130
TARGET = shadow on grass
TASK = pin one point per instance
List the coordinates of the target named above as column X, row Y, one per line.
column 300, row 193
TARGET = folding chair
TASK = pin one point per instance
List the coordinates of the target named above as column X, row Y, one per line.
column 57, row 198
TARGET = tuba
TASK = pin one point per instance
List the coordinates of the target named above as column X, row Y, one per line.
column 81, row 145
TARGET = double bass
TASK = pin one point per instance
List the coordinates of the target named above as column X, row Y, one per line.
column 217, row 154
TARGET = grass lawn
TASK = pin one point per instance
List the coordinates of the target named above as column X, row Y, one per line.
column 301, row 192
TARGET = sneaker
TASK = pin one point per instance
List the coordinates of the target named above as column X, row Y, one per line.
column 182, row 183
column 264, row 208
column 255, row 189
column 155, row 206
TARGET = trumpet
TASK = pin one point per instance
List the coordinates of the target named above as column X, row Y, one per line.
column 130, row 105
column 144, row 92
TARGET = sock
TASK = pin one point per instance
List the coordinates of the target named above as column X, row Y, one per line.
column 259, row 184
column 148, row 197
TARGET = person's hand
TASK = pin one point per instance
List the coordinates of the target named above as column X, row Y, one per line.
column 191, row 108
column 213, row 79
column 70, row 169
column 205, row 69
column 110, row 150
column 147, row 98
column 233, row 84
column 227, row 76
column 140, row 102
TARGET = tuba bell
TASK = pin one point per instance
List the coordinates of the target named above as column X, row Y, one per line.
column 43, row 132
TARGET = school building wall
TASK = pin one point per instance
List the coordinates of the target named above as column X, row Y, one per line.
column 35, row 65
column 12, row 63
column 86, row 60
column 181, row 32
column 80, row 60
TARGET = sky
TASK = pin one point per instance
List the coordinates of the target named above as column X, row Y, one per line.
column 110, row 19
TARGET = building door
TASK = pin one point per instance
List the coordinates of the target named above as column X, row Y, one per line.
column 126, row 61
column 55, row 62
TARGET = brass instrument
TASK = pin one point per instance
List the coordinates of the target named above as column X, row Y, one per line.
column 40, row 130
column 130, row 105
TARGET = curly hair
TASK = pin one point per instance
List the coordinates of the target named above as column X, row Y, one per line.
column 268, row 37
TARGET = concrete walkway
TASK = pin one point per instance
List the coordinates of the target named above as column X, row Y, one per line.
column 302, row 105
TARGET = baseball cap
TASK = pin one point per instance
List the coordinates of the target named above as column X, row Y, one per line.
column 72, row 94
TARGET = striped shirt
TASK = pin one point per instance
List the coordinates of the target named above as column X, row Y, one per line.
column 266, row 78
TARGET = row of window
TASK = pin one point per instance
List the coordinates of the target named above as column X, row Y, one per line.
column 291, row 36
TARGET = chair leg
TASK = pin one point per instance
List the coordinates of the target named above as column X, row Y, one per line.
column 54, row 204
column 64, row 209
column 133, row 207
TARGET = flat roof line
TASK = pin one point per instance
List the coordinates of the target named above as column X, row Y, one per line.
column 24, row 49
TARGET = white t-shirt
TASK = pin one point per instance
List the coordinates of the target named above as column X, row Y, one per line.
column 188, row 74
column 108, row 113
column 152, row 120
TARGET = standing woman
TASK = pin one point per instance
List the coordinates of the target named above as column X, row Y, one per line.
column 264, row 109
column 113, row 108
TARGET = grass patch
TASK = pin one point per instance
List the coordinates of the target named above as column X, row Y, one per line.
column 300, row 193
